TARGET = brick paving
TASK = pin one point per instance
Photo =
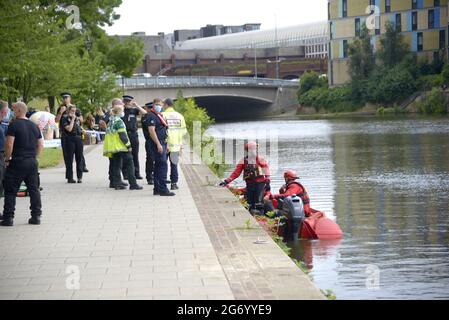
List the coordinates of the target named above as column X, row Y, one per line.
column 125, row 244
column 133, row 245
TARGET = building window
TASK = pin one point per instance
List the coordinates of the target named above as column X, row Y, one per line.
column 328, row 11
column 414, row 4
column 398, row 22
column 357, row 27
column 442, row 39
column 387, row 5
column 431, row 19
column 436, row 3
column 345, row 48
column 345, row 8
column 414, row 21
column 420, row 41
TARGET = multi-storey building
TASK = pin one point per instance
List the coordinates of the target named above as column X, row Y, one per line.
column 422, row 23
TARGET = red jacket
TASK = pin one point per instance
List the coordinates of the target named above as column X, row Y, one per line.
column 295, row 188
column 259, row 172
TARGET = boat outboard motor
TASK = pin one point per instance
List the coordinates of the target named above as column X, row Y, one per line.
column 294, row 209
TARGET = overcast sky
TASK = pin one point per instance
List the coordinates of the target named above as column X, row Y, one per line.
column 153, row 16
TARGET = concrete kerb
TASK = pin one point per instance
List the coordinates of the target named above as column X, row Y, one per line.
column 254, row 271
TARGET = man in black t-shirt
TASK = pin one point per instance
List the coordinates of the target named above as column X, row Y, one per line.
column 132, row 110
column 23, row 145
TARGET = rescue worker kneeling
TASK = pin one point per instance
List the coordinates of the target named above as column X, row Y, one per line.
column 118, row 147
column 290, row 188
column 256, row 175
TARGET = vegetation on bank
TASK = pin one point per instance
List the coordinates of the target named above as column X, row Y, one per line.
column 385, row 78
column 50, row 157
column 44, row 52
column 197, row 118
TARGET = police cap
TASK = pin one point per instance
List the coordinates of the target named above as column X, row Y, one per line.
column 128, row 98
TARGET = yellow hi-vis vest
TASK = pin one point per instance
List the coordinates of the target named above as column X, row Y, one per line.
column 112, row 143
column 176, row 129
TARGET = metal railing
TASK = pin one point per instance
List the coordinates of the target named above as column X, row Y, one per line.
column 185, row 82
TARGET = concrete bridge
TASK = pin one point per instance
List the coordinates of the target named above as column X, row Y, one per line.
column 225, row 98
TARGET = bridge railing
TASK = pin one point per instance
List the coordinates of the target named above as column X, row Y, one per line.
column 183, row 82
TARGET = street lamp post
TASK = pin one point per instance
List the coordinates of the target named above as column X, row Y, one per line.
column 255, row 61
column 158, row 50
column 277, row 45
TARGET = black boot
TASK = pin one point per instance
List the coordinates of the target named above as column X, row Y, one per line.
column 151, row 181
column 166, row 194
column 7, row 222
column 35, row 220
column 174, row 186
column 136, row 187
column 71, row 181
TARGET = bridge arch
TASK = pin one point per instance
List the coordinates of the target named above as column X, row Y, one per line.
column 231, row 107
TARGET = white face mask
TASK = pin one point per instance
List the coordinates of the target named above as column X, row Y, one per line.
column 122, row 114
column 158, row 108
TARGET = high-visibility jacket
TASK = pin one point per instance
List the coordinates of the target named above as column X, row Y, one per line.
column 176, row 129
column 112, row 141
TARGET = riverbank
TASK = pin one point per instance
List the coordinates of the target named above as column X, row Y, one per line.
column 255, row 266
column 388, row 114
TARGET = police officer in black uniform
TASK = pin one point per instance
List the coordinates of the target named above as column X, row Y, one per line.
column 73, row 143
column 149, row 163
column 62, row 110
column 132, row 110
column 158, row 134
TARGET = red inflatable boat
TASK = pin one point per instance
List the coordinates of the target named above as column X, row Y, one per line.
column 318, row 226
column 315, row 226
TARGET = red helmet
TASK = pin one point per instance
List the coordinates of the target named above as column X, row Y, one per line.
column 251, row 145
column 291, row 175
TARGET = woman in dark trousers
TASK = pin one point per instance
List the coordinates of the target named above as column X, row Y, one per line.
column 71, row 125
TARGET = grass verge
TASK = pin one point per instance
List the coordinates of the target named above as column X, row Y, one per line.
column 50, row 158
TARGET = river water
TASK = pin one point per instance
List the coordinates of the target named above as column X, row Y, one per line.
column 385, row 182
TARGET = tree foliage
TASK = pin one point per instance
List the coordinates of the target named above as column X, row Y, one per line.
column 361, row 56
column 40, row 56
column 310, row 80
column 393, row 49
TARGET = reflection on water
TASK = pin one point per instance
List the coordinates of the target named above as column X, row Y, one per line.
column 386, row 183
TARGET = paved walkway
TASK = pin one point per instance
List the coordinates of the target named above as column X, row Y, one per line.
column 133, row 245
column 125, row 244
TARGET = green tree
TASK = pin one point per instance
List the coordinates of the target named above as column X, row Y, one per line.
column 361, row 56
column 434, row 103
column 40, row 56
column 445, row 74
column 310, row 80
column 124, row 56
column 390, row 85
column 393, row 49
